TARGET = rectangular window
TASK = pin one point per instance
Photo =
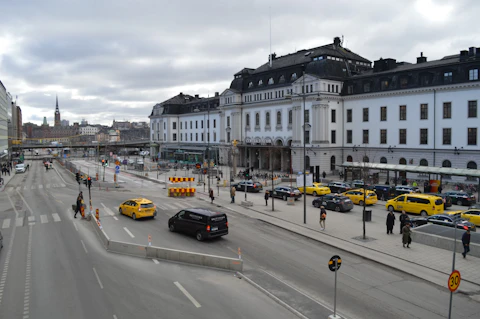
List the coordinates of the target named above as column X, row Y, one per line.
column 472, row 136
column 307, row 137
column 196, row 124
column 424, row 111
column 191, row 137
column 164, row 125
column 423, row 136
column 349, row 136
column 333, row 137
column 350, row 89
column 214, row 123
column 228, row 137
column 447, row 110
column 214, row 136
column 174, row 136
column 181, row 125
column 181, row 136
column 403, row 82
column 472, row 109
column 196, row 137
column 383, row 136
column 334, row 116
column 228, row 121
column 191, row 125
column 201, row 123
column 349, row 116
column 329, row 88
column 202, row 137
column 365, row 114
column 447, row 77
column 473, row 74
column 174, row 125
column 403, row 112
column 208, row 123
column 403, row 136
column 365, row 136
column 307, row 116
column 383, row 113
column 447, row 136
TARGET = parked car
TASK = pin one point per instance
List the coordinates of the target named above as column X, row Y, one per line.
column 476, row 206
column 472, row 215
column 449, row 220
column 339, row 187
column 334, row 202
column 384, row 192
column 357, row 196
column 251, row 186
column 285, row 192
column 138, row 208
column 447, row 200
column 404, row 189
column 422, row 204
column 201, row 222
column 461, row 198
column 316, row 189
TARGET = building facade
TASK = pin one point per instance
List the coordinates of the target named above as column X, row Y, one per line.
column 89, row 130
column 5, row 105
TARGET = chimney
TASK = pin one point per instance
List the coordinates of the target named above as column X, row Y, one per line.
column 216, row 94
column 463, row 55
column 477, row 53
column 471, row 51
column 181, row 94
column 421, row 58
column 336, row 41
column 196, row 96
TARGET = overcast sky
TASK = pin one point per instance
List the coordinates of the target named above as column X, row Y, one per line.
column 115, row 59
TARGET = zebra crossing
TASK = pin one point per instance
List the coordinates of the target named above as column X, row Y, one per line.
column 175, row 205
column 12, row 189
column 30, row 220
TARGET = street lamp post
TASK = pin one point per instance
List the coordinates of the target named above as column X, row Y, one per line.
column 208, row 144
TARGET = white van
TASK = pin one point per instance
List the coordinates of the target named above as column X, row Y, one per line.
column 20, row 168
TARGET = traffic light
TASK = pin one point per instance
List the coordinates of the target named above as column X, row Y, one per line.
column 77, row 177
column 247, row 173
column 89, row 182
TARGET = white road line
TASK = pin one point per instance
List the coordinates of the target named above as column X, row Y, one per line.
column 19, row 222
column 114, row 217
column 26, row 204
column 26, row 299
column 33, row 187
column 56, row 218
column 43, row 219
column 170, row 206
column 108, row 210
column 74, row 225
column 187, row 294
column 31, row 218
column 6, row 223
column 84, row 247
column 161, row 207
column 128, row 232
column 19, row 188
column 40, row 186
column 63, row 185
column 98, row 278
column 155, row 261
column 115, row 317
column 9, row 253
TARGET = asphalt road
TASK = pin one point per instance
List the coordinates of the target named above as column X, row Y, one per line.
column 289, row 266
column 52, row 266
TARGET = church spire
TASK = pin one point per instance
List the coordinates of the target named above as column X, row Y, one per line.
column 57, row 122
column 56, row 108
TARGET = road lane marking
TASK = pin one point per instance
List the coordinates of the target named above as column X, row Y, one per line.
column 26, row 299
column 26, row 204
column 84, row 247
column 74, row 225
column 108, row 210
column 115, row 317
column 156, row 261
column 128, row 232
column 98, row 278
column 19, row 188
column 187, row 294
column 114, row 217
column 43, row 219
column 56, row 218
column 9, row 253
column 6, row 223
column 19, row 222
column 40, row 186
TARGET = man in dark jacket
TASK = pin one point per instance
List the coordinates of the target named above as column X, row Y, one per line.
column 390, row 222
column 403, row 218
column 79, row 205
column 466, row 242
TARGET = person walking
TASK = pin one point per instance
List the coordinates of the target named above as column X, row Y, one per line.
column 466, row 242
column 403, row 218
column 323, row 217
column 79, row 205
column 267, row 195
column 232, row 194
column 324, row 174
column 440, row 189
column 406, row 234
column 390, row 222
column 425, row 187
column 210, row 193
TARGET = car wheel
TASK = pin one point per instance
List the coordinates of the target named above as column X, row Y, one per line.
column 134, row 216
column 390, row 208
column 423, row 213
column 120, row 211
column 337, row 208
column 317, row 205
column 459, row 202
column 284, row 197
column 360, row 203
column 199, row 236
column 171, row 227
column 314, row 193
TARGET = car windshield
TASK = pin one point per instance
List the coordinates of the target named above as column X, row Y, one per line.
column 147, row 205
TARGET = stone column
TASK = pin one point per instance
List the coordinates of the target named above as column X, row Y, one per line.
column 223, row 133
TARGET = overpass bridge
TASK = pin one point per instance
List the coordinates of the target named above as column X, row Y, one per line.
column 141, row 143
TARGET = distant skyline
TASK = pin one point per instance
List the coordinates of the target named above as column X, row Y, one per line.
column 111, row 60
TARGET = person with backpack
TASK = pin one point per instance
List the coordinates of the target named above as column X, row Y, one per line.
column 323, row 217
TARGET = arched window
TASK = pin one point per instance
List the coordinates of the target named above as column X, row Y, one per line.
column 281, row 79
column 248, row 120
column 332, row 163
column 270, row 81
column 293, row 77
column 383, row 160
column 250, row 85
column 290, row 117
column 257, row 119
column 279, row 118
column 423, row 162
column 402, row 161
column 471, row 165
column 260, row 83
column 349, row 158
column 267, row 119
column 446, row 163
column 366, row 159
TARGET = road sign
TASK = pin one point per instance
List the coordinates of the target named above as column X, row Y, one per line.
column 454, row 280
column 117, row 169
column 198, row 165
column 331, row 263
column 125, row 162
column 117, row 162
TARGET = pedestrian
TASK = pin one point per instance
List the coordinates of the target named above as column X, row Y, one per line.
column 403, row 218
column 211, row 195
column 267, row 195
column 323, row 217
column 390, row 222
column 8, row 171
column 414, row 184
column 466, row 242
column 324, row 174
column 232, row 194
column 425, row 187
column 440, row 189
column 406, row 234
column 79, row 205
column 28, row 166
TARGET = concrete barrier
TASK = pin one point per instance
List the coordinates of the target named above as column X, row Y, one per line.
column 195, row 258
column 443, row 242
column 100, row 232
column 127, row 248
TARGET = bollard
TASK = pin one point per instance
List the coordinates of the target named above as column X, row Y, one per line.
column 97, row 214
column 149, row 240
column 239, row 253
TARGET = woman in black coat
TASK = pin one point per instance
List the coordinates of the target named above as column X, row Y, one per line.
column 390, row 222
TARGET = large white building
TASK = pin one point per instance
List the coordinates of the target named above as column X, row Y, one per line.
column 89, row 130
column 391, row 112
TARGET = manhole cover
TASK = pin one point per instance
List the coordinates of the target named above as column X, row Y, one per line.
column 366, row 239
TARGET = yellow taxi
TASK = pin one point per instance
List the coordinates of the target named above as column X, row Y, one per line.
column 316, row 189
column 356, row 196
column 425, row 205
column 472, row 215
column 138, row 208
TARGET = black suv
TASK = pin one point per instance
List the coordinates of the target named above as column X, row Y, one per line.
column 285, row 192
column 253, row 187
column 201, row 222
column 461, row 198
column 334, row 202
column 384, row 192
column 339, row 187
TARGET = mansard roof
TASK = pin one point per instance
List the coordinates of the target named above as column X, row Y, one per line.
column 184, row 103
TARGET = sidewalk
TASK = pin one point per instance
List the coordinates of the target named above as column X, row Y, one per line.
column 428, row 263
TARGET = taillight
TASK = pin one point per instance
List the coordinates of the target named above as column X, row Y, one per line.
column 208, row 228
column 254, row 186
column 226, row 224
column 433, row 207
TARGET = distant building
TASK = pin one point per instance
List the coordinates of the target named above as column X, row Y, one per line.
column 57, row 122
column 65, row 123
column 88, row 130
column 84, row 122
column 5, row 105
column 121, row 125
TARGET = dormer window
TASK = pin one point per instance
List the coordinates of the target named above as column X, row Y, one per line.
column 260, row 83
column 270, row 81
column 250, row 85
column 447, row 77
column 366, row 87
column 385, row 84
column 473, row 74
column 294, row 77
column 281, row 79
column 404, row 82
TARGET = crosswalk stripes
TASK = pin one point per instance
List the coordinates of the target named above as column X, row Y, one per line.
column 19, row 222
column 56, row 218
column 175, row 205
column 6, row 223
column 43, row 219
column 32, row 220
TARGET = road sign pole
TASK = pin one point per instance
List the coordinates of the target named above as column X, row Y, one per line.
column 335, row 293
column 453, row 267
